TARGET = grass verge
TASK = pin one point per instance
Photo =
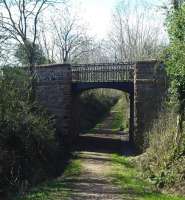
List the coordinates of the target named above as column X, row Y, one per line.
column 120, row 111
column 57, row 189
column 125, row 175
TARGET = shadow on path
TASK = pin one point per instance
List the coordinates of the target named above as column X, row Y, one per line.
column 105, row 142
column 95, row 154
column 87, row 177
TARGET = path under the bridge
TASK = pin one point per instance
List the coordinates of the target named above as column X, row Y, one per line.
column 97, row 163
column 95, row 152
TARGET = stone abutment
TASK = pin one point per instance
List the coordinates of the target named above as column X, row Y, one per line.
column 54, row 92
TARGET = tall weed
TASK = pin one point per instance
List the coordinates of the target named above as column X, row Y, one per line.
column 163, row 161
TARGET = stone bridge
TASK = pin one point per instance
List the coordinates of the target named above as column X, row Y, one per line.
column 59, row 86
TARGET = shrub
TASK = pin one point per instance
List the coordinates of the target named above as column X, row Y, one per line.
column 95, row 105
column 175, row 59
column 164, row 159
column 26, row 133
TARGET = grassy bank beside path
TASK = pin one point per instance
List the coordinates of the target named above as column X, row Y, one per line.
column 125, row 175
column 117, row 174
column 58, row 189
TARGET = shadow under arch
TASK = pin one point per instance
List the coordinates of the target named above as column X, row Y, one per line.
column 79, row 87
column 126, row 86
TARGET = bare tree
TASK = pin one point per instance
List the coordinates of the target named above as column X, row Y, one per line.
column 70, row 37
column 19, row 20
column 3, row 43
column 47, row 42
column 100, row 52
column 134, row 35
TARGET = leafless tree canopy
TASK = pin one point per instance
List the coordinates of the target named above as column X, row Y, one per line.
column 19, row 21
column 70, row 36
column 134, row 35
column 64, row 38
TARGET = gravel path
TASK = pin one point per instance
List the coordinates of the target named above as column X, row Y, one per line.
column 95, row 155
column 93, row 183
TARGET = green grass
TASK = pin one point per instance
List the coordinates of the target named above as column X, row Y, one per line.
column 73, row 169
column 57, row 189
column 120, row 121
column 118, row 112
column 125, row 175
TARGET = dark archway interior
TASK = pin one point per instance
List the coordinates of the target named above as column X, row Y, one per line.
column 102, row 140
column 126, row 86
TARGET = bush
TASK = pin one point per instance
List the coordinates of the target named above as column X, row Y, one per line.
column 164, row 160
column 27, row 137
column 95, row 105
column 175, row 59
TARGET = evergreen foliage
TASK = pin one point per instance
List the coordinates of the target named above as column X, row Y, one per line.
column 27, row 136
column 163, row 162
column 29, row 52
column 176, row 57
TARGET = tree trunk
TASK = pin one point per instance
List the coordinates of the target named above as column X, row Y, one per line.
column 32, row 73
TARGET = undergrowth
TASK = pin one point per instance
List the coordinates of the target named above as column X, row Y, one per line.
column 163, row 162
column 57, row 189
column 117, row 119
column 94, row 107
column 28, row 146
column 125, row 175
column 121, row 112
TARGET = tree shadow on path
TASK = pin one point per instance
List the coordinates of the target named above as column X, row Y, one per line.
column 105, row 142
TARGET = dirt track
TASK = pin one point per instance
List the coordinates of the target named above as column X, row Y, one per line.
column 95, row 154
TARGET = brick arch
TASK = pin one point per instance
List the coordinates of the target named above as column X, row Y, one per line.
column 144, row 81
column 126, row 86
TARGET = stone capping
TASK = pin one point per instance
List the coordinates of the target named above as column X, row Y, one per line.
column 147, row 61
column 53, row 65
column 50, row 66
column 145, row 80
column 50, row 82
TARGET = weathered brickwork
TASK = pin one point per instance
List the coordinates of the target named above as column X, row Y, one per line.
column 149, row 90
column 54, row 92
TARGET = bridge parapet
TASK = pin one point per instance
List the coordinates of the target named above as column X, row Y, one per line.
column 103, row 72
column 144, row 81
column 53, row 72
column 53, row 91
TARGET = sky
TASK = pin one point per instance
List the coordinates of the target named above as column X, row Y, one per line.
column 97, row 14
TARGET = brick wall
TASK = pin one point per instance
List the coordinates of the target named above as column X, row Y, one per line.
column 149, row 90
column 53, row 91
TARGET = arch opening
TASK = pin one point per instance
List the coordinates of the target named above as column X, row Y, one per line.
column 126, row 86
column 116, row 118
